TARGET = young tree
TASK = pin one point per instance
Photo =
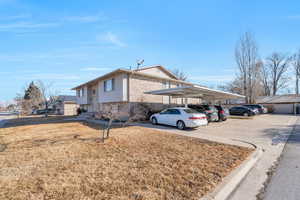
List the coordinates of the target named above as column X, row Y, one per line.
column 277, row 65
column 296, row 64
column 246, row 56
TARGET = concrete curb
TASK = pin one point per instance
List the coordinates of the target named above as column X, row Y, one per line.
column 232, row 181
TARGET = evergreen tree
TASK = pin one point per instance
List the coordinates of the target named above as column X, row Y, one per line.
column 32, row 92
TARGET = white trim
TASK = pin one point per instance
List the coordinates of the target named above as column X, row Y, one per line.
column 195, row 91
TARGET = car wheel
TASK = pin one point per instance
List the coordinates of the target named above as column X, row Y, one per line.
column 180, row 125
column 154, row 121
column 246, row 114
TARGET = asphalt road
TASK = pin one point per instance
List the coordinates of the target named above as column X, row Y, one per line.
column 285, row 183
column 5, row 115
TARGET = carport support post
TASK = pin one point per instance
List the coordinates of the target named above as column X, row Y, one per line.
column 185, row 102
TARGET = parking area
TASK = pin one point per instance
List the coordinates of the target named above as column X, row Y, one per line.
column 262, row 130
column 268, row 132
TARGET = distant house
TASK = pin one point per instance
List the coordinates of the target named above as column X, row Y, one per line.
column 281, row 104
column 65, row 105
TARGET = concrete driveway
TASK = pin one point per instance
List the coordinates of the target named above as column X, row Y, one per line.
column 268, row 132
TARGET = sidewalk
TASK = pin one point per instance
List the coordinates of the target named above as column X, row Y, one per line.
column 285, row 181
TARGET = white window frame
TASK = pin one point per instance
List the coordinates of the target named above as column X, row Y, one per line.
column 112, row 85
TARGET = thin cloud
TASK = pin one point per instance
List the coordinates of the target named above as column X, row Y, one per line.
column 295, row 17
column 50, row 76
column 7, row 1
column 95, row 69
column 28, row 25
column 111, row 38
column 15, row 17
column 86, row 19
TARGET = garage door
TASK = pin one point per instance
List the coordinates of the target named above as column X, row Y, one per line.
column 283, row 108
column 70, row 109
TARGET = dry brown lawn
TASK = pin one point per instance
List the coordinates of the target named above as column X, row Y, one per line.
column 53, row 160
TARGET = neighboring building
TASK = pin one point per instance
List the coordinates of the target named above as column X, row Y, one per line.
column 281, row 104
column 123, row 91
column 65, row 105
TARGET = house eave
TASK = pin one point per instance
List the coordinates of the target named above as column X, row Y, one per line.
column 129, row 72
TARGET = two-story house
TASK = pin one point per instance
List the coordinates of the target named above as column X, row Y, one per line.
column 122, row 90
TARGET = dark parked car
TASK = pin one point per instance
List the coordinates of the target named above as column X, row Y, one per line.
column 210, row 111
column 43, row 111
column 241, row 110
column 261, row 109
column 222, row 113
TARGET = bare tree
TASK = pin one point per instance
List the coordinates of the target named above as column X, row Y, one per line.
column 48, row 95
column 246, row 56
column 180, row 74
column 235, row 86
column 277, row 65
column 296, row 64
column 265, row 79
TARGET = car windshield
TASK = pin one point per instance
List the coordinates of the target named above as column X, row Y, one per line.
column 190, row 111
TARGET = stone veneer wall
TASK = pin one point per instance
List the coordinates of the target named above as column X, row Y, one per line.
column 137, row 110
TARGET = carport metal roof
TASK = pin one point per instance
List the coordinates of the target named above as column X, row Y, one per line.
column 196, row 91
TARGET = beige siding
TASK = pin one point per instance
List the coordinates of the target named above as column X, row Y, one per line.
column 155, row 72
column 93, row 93
column 118, row 94
column 70, row 108
column 83, row 99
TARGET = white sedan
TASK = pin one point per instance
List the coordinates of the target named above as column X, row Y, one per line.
column 180, row 117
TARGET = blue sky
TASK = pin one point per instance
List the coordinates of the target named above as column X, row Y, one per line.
column 66, row 43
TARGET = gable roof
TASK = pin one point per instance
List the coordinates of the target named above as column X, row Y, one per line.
column 290, row 98
column 136, row 72
column 169, row 73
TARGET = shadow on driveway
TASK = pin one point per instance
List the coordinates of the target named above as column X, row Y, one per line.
column 279, row 135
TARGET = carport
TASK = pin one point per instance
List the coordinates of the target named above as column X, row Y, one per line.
column 196, row 91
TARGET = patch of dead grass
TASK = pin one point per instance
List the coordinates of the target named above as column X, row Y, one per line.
column 65, row 161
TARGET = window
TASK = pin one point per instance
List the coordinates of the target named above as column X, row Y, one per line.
column 190, row 111
column 174, row 112
column 82, row 92
column 109, row 85
column 167, row 111
column 78, row 93
column 94, row 91
column 165, row 84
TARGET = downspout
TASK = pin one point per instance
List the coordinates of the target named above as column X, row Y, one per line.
column 128, row 95
column 128, row 77
column 169, row 83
